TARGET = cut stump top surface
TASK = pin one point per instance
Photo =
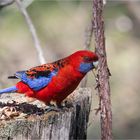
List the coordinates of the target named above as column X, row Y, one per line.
column 69, row 123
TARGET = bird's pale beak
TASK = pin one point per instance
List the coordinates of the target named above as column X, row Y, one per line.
column 95, row 64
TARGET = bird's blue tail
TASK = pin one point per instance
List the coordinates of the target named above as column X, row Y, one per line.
column 9, row 90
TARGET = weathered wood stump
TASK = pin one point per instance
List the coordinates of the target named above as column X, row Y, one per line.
column 69, row 123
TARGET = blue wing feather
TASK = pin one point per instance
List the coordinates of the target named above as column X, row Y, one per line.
column 36, row 83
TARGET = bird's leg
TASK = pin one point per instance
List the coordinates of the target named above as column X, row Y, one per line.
column 30, row 99
column 53, row 106
column 67, row 103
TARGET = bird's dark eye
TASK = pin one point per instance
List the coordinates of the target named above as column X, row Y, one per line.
column 86, row 58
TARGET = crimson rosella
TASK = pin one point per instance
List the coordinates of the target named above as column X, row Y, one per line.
column 54, row 81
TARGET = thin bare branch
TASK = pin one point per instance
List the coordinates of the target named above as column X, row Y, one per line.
column 103, row 71
column 5, row 2
column 32, row 30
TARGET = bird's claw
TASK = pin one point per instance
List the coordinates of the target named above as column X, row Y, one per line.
column 67, row 104
column 52, row 108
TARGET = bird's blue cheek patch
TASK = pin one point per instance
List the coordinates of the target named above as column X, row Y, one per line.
column 85, row 67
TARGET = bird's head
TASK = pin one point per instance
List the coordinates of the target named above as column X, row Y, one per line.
column 84, row 61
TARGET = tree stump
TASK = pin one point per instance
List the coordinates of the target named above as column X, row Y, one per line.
column 67, row 124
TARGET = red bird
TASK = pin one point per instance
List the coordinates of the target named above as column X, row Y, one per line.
column 54, row 81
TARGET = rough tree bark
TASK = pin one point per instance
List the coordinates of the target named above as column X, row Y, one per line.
column 69, row 123
column 103, row 71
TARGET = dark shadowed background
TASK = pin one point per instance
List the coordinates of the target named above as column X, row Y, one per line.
column 61, row 28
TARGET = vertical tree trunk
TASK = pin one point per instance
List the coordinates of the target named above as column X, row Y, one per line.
column 103, row 71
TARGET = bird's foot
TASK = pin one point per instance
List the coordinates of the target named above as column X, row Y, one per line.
column 52, row 108
column 67, row 104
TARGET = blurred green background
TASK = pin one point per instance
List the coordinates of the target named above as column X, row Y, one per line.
column 61, row 28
